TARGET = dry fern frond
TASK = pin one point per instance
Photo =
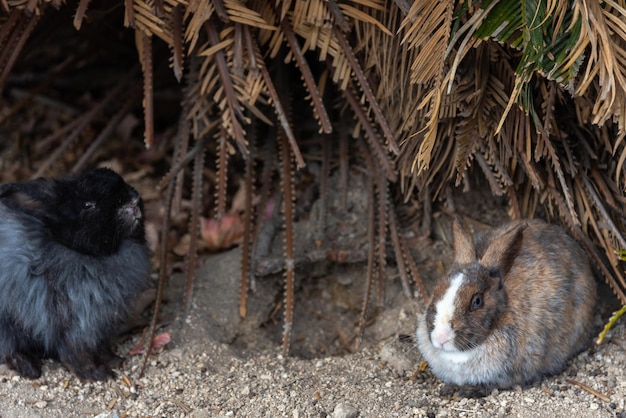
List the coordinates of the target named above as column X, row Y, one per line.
column 288, row 209
column 148, row 22
column 276, row 103
column 371, row 135
column 427, row 29
column 428, row 34
column 544, row 41
column 248, row 226
column 231, row 110
column 196, row 15
column 221, row 164
column 239, row 13
column 144, row 47
column 194, row 224
column 603, row 34
column 178, row 53
column 319, row 111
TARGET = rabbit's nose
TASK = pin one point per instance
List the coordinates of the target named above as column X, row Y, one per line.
column 440, row 337
column 134, row 212
column 132, row 209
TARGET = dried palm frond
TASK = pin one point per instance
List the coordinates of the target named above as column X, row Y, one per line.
column 521, row 114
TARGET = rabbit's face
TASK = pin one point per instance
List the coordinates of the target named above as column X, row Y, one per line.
column 465, row 308
column 95, row 212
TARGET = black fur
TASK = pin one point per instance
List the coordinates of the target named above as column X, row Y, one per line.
column 73, row 258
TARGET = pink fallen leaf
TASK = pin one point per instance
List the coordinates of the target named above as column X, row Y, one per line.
column 158, row 342
column 219, row 234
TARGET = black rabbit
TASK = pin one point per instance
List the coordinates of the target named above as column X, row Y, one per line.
column 73, row 258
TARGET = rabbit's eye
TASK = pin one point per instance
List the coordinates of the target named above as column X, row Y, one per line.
column 477, row 301
column 87, row 206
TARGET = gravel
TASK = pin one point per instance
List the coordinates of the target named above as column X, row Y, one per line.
column 203, row 380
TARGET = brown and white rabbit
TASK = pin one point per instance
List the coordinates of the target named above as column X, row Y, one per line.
column 513, row 308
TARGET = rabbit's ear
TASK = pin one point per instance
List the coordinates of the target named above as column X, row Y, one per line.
column 464, row 251
column 29, row 196
column 502, row 251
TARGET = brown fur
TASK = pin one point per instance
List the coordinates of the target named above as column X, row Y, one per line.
column 536, row 294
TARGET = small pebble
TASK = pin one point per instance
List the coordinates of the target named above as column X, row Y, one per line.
column 111, row 414
column 41, row 404
column 343, row 410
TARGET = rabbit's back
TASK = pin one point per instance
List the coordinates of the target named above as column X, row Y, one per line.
column 551, row 296
column 20, row 246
